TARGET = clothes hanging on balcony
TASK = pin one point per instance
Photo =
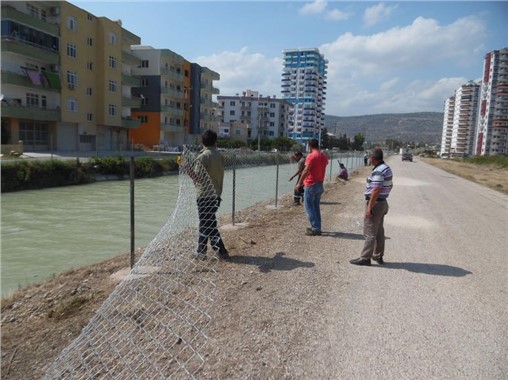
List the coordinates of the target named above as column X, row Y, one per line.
column 53, row 79
column 34, row 76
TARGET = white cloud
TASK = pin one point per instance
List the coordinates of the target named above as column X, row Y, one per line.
column 243, row 70
column 317, row 6
column 337, row 15
column 377, row 13
column 389, row 72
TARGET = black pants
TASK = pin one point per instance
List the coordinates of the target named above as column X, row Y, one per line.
column 207, row 208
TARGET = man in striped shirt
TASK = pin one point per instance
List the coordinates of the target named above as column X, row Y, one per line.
column 379, row 185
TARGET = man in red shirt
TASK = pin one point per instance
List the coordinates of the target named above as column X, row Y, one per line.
column 312, row 178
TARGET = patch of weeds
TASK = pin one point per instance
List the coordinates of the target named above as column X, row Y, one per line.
column 67, row 309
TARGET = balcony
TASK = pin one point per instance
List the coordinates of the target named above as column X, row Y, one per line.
column 130, row 123
column 28, row 49
column 215, row 90
column 33, row 22
column 167, row 127
column 172, row 92
column 13, row 109
column 172, row 110
column 133, row 102
column 130, row 59
column 128, row 80
column 178, row 77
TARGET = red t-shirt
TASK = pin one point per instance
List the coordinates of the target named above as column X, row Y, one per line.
column 318, row 161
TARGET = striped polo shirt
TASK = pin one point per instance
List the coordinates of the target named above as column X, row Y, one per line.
column 380, row 177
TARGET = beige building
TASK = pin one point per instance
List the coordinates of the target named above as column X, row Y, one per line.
column 66, row 78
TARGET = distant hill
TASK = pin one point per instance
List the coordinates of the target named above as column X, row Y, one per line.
column 420, row 127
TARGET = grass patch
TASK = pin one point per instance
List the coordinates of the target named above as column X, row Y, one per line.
column 67, row 309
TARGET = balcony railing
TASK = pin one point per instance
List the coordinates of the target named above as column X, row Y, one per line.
column 167, row 127
column 130, row 123
column 31, row 50
column 26, row 19
column 172, row 74
column 172, row 92
column 130, row 59
column 133, row 102
column 172, row 110
column 14, row 110
column 129, row 80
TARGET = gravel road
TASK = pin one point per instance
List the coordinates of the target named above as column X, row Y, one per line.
column 438, row 308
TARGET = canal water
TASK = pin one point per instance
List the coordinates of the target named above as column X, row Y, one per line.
column 45, row 232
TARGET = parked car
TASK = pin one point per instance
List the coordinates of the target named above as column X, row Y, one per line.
column 407, row 156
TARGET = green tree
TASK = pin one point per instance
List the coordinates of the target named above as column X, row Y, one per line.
column 358, row 141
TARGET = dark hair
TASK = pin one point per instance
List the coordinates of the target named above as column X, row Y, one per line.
column 377, row 154
column 209, row 138
column 313, row 143
column 298, row 153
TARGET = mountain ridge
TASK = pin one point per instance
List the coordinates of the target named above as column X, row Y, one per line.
column 418, row 127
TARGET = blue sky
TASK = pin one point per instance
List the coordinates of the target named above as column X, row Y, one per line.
column 384, row 57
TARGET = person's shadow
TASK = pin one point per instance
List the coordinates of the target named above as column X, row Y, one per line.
column 432, row 269
column 267, row 264
column 344, row 235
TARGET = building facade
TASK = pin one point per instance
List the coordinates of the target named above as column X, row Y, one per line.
column 464, row 119
column 492, row 128
column 446, row 140
column 304, row 85
column 76, row 91
column 262, row 116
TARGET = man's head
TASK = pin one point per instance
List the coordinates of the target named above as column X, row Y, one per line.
column 376, row 155
column 313, row 144
column 209, row 138
column 341, row 164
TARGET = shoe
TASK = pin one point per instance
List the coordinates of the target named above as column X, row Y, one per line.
column 311, row 232
column 223, row 255
column 378, row 259
column 297, row 204
column 360, row 261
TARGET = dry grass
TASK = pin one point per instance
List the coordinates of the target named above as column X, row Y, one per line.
column 491, row 176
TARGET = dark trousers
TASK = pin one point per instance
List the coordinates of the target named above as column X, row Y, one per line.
column 207, row 208
column 298, row 194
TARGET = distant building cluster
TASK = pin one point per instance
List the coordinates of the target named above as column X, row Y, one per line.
column 73, row 81
column 476, row 117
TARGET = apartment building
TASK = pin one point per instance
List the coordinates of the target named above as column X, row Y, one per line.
column 492, row 128
column 465, row 118
column 304, row 85
column 446, row 140
column 66, row 77
column 262, row 116
column 203, row 108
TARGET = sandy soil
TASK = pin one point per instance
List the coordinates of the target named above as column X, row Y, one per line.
column 268, row 301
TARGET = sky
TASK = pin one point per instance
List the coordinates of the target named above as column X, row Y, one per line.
column 383, row 57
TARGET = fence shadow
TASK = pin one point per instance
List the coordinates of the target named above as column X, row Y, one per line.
column 432, row 269
column 267, row 264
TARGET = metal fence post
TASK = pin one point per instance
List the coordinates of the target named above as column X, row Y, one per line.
column 277, row 180
column 234, row 193
column 132, row 208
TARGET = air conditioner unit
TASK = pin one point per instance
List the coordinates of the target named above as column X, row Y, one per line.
column 54, row 68
column 55, row 11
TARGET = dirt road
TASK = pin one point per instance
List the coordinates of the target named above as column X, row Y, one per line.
column 438, row 308
column 290, row 306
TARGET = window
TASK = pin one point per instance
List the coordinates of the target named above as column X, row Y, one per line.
column 87, row 139
column 144, row 101
column 144, row 82
column 143, row 119
column 72, row 79
column 144, row 63
column 89, row 66
column 72, row 23
column 89, row 17
column 232, row 103
column 89, row 91
column 112, row 110
column 272, row 105
column 238, row 132
column 232, row 113
column 44, row 101
column 89, row 41
column 32, row 11
column 72, row 105
column 32, row 100
column 89, row 117
column 33, row 133
column 112, row 38
column 71, row 50
column 112, row 62
column 112, row 85
column 43, row 15
column 272, row 114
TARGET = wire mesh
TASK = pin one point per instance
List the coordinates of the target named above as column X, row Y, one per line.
column 153, row 325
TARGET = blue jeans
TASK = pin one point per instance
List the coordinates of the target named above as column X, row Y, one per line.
column 312, row 200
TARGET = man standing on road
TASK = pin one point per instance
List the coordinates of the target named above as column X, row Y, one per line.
column 208, row 176
column 379, row 185
column 312, row 178
column 300, row 165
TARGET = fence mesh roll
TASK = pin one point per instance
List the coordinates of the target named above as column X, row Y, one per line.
column 153, row 325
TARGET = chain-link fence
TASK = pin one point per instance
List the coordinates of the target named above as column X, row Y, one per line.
column 154, row 324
